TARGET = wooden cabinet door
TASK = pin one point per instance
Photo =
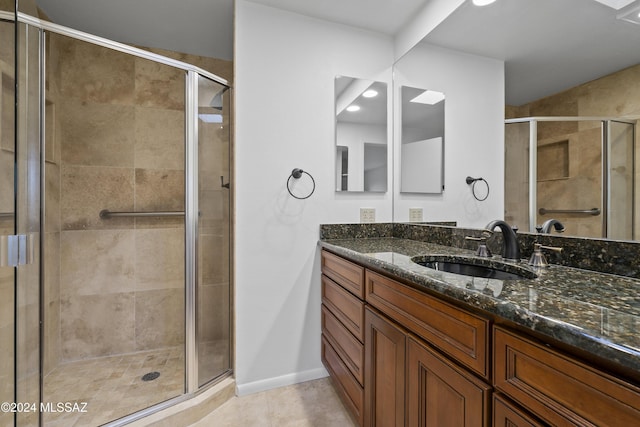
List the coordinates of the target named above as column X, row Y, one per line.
column 507, row 415
column 440, row 394
column 383, row 372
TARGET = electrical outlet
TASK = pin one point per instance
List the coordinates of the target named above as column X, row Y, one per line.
column 367, row 215
column 415, row 214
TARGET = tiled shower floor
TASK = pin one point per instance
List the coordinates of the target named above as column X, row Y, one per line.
column 113, row 387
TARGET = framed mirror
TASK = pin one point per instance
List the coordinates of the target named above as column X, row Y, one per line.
column 422, row 141
column 361, row 154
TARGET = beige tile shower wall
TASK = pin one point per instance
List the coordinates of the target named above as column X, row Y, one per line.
column 516, row 188
column 51, row 275
column 614, row 95
column 580, row 189
column 122, row 148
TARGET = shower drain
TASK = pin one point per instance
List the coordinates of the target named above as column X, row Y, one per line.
column 150, row 376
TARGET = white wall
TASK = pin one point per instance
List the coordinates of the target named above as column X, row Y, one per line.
column 474, row 133
column 285, row 69
column 425, row 21
column 354, row 136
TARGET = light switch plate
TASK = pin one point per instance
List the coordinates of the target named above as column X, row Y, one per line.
column 367, row 215
column 415, row 214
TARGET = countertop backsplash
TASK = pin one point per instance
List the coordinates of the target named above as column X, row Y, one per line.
column 601, row 255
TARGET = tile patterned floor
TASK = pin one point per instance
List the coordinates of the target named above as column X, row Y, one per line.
column 113, row 386
column 312, row 403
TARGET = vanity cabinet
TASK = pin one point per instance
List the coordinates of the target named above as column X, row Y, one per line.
column 403, row 357
column 407, row 382
column 559, row 389
column 342, row 348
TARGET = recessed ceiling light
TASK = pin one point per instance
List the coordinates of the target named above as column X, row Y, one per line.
column 352, row 108
column 370, row 93
column 482, row 2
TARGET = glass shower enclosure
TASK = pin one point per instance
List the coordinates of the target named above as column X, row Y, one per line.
column 579, row 170
column 115, row 285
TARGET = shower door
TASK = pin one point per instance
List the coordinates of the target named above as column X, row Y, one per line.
column 7, row 218
column 20, row 226
column 107, row 153
column 213, row 247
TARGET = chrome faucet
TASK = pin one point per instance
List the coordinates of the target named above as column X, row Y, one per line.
column 557, row 225
column 510, row 248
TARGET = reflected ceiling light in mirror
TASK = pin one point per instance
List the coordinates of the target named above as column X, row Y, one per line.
column 370, row 93
column 429, row 97
column 482, row 2
column 630, row 13
column 210, row 118
column 353, row 108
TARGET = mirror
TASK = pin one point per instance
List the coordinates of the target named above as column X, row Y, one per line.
column 422, row 141
column 576, row 59
column 361, row 135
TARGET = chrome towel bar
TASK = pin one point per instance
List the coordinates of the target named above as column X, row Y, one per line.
column 593, row 211
column 106, row 214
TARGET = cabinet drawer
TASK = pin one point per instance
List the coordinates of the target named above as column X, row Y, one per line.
column 350, row 350
column 560, row 390
column 460, row 334
column 346, row 307
column 351, row 393
column 343, row 272
column 507, row 415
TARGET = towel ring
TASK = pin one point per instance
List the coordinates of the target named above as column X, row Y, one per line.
column 297, row 174
column 472, row 181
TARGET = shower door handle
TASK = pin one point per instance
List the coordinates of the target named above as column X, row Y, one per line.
column 16, row 250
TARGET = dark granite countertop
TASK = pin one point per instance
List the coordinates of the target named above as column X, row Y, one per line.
column 595, row 312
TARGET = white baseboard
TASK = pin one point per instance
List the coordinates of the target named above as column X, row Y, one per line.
column 285, row 380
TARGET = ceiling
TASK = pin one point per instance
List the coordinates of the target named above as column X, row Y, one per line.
column 199, row 27
column 547, row 45
column 382, row 16
column 205, row 27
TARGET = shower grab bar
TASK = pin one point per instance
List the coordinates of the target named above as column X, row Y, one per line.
column 592, row 211
column 106, row 213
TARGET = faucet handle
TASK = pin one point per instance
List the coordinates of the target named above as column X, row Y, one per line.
column 537, row 257
column 549, row 248
column 483, row 251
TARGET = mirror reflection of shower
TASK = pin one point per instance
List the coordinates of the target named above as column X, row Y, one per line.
column 578, row 170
